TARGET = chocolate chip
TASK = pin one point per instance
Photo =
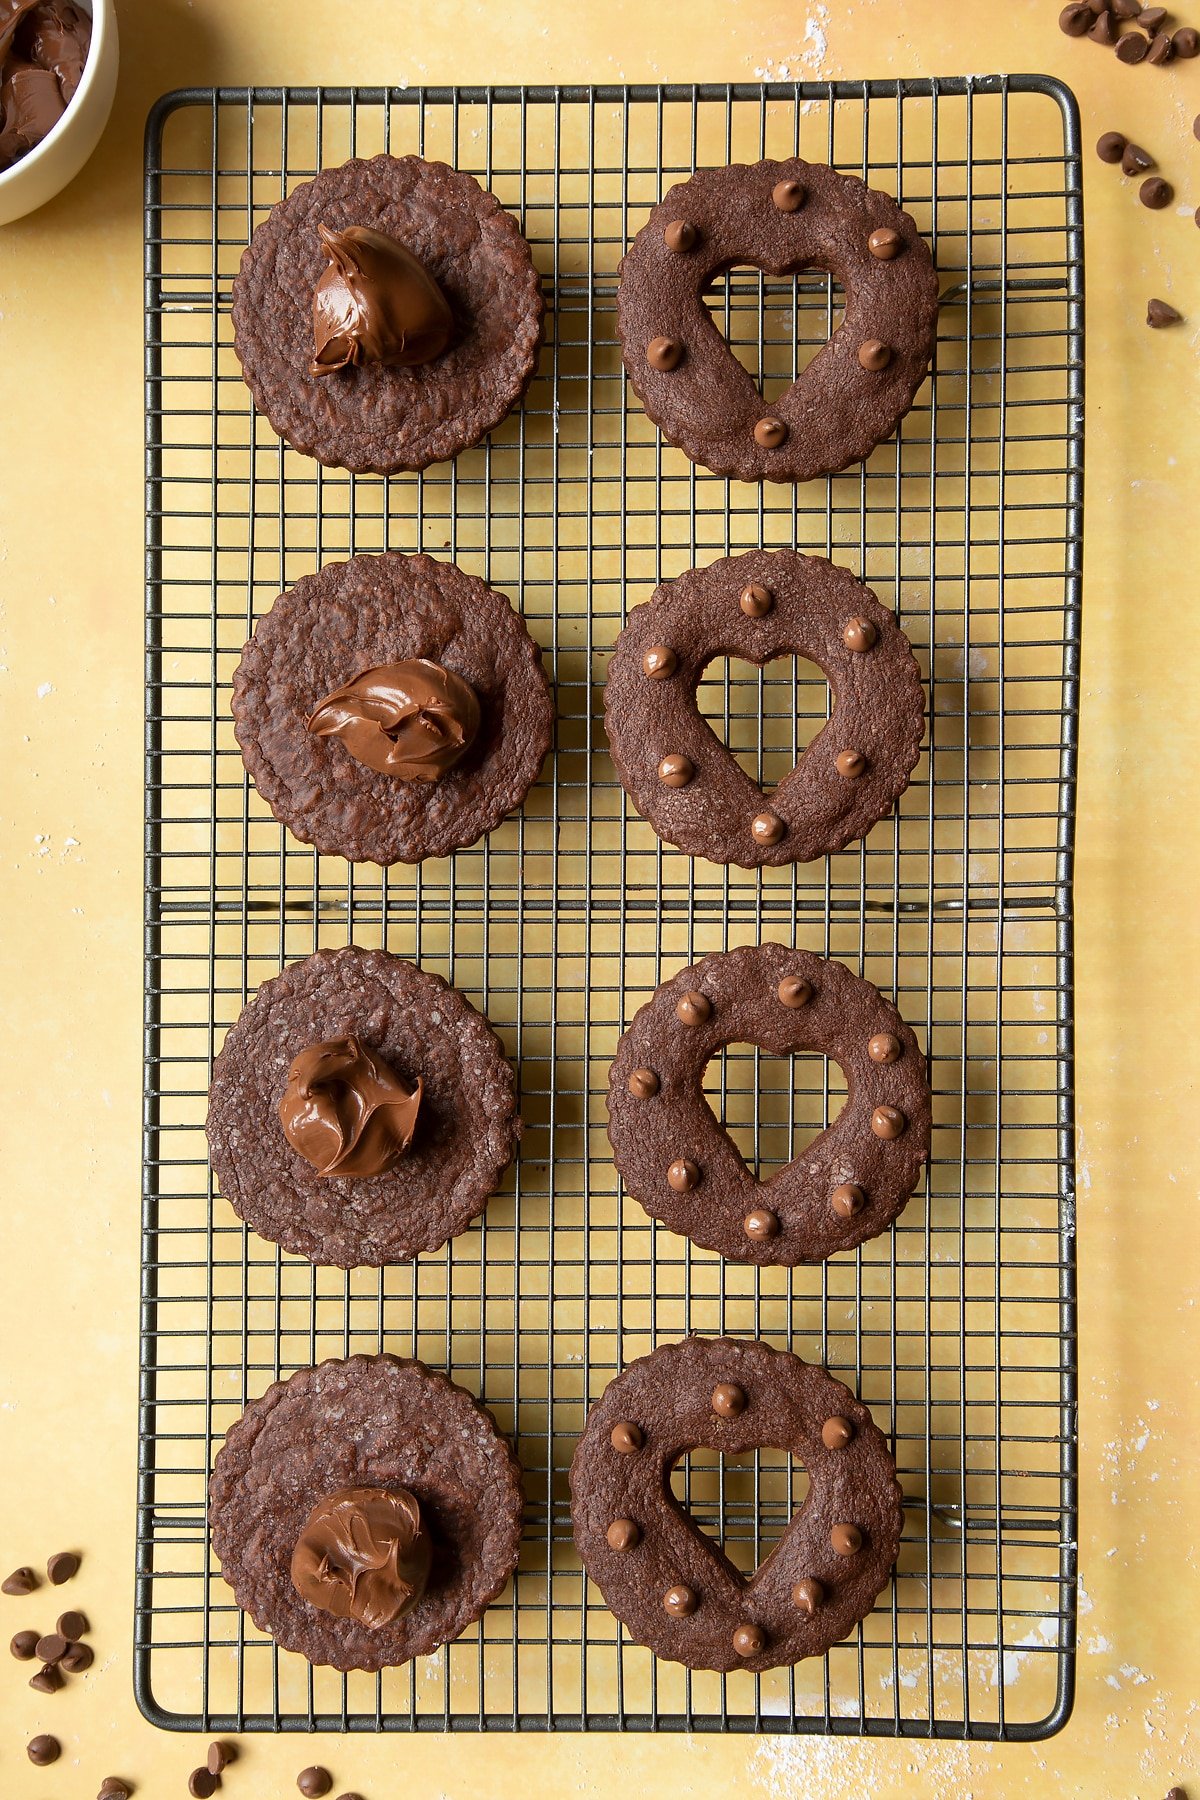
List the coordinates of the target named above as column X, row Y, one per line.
column 24, row 1645
column 1111, row 147
column 794, row 991
column 1132, row 47
column 78, row 1659
column 682, row 1175
column 680, row 1601
column 349, row 1797
column 694, row 1009
column 728, row 1400
column 664, row 353
column 220, row 1756
column 748, row 1640
column 113, row 1788
column 884, row 1047
column 21, row 1581
column 1135, row 160
column 72, row 1626
column 760, row 1224
column 46, row 1681
column 885, row 243
column 1156, row 193
column 836, row 1432
column 1100, row 6
column 43, row 1750
column 659, row 662
column 681, row 237
column 850, row 764
column 202, row 1785
column 53, row 1647
column 1176, row 1793
column 766, row 828
column 60, row 1568
column 643, row 1083
column 1196, row 126
column 1161, row 51
column 874, row 356
column 314, row 1782
column 1075, row 20
column 807, row 1595
column 755, row 600
column 1186, row 42
column 1152, row 18
column 626, row 1437
column 1104, row 30
column 888, row 1122
column 1160, row 313
column 859, row 636
column 789, row 196
column 624, row 1534
column 1127, row 9
column 675, row 771
column 847, row 1540
column 770, row 433
column 847, row 1200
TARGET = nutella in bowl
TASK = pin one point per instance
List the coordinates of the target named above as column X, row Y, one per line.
column 44, row 46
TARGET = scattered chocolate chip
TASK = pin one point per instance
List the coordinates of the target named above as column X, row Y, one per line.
column 21, row 1581
column 1075, row 20
column 1160, row 313
column 46, row 1681
column 1103, row 30
column 1196, row 126
column 1161, row 51
column 202, row 1785
column 60, row 1568
column 113, row 1788
column 1156, row 193
column 43, row 1750
column 1152, row 18
column 1132, row 47
column 1135, row 160
column 1186, row 42
column 1196, row 215
column 1127, row 9
column 1176, row 1793
column 52, row 1648
column 349, row 1797
column 72, row 1626
column 220, row 1756
column 1111, row 147
column 1100, row 6
column 314, row 1782
column 77, row 1660
column 24, row 1645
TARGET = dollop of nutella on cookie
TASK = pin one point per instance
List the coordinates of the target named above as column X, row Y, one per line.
column 364, row 1554
column 375, row 302
column 345, row 1111
column 413, row 720
column 43, row 47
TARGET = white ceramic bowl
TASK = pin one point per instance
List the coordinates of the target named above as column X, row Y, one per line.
column 60, row 156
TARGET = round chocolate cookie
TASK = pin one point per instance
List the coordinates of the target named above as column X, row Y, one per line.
column 779, row 217
column 388, row 1033
column 299, row 1503
column 764, row 604
column 685, row 1169
column 367, row 414
column 305, row 682
column 672, row 1587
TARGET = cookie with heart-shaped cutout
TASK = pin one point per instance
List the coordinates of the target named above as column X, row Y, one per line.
column 672, row 1586
column 680, row 1162
column 759, row 606
column 779, row 217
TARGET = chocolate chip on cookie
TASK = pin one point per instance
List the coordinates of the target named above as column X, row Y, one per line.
column 780, row 217
column 387, row 314
column 848, row 1185
column 365, row 1511
column 361, row 1110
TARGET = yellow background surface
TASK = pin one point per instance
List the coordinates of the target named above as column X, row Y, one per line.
column 71, row 600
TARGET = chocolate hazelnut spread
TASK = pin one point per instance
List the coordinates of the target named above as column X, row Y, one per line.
column 345, row 1111
column 43, row 48
column 412, row 720
column 364, row 1554
column 376, row 302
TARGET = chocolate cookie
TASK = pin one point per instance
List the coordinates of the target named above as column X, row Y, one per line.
column 672, row 1587
column 779, row 217
column 392, row 708
column 685, row 1169
column 361, row 1110
column 341, row 337
column 365, row 1511
column 764, row 604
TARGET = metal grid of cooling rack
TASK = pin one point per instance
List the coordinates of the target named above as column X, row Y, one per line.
column 958, row 1328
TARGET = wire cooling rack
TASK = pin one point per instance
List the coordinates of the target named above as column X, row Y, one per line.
column 958, row 1327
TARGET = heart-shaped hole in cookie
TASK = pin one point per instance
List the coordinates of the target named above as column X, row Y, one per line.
column 767, row 716
column 745, row 1504
column 773, row 1106
column 775, row 324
